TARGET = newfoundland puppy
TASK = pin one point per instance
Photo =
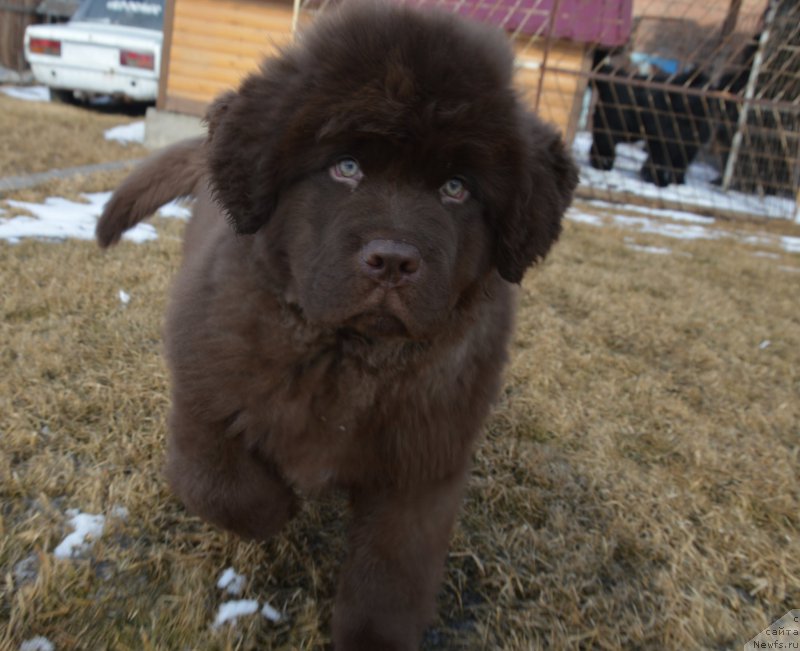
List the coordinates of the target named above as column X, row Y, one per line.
column 364, row 205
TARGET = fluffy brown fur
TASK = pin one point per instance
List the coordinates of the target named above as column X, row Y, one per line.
column 341, row 317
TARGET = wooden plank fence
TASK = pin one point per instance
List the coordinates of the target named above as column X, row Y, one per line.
column 15, row 16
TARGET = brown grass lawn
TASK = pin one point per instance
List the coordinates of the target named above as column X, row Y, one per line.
column 637, row 487
column 40, row 136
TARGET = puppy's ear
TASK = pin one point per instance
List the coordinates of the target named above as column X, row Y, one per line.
column 546, row 181
column 244, row 128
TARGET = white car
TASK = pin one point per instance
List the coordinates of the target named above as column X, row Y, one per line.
column 109, row 47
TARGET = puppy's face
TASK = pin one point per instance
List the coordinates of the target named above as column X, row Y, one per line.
column 389, row 169
column 376, row 242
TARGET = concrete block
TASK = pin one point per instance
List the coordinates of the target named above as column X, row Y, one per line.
column 163, row 128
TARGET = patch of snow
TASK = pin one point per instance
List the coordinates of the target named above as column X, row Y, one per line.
column 231, row 582
column 230, row 611
column 630, row 157
column 790, row 269
column 583, row 218
column 37, row 644
column 582, row 144
column 125, row 133
column 676, row 231
column 676, row 215
column 87, row 529
column 701, row 173
column 27, row 93
column 790, row 244
column 176, row 210
column 756, row 240
column 766, row 254
column 697, row 191
column 764, row 344
column 657, row 250
column 785, row 242
column 60, row 219
column 124, row 297
column 270, row 613
column 692, row 229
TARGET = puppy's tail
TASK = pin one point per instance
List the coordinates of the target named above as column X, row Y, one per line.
column 165, row 176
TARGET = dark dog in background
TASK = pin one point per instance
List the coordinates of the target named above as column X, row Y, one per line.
column 364, row 205
column 673, row 124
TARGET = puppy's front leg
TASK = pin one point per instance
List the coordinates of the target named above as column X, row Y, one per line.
column 398, row 546
column 220, row 479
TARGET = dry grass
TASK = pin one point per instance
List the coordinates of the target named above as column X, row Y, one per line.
column 40, row 136
column 637, row 487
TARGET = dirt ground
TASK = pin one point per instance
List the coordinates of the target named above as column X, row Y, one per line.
column 637, row 486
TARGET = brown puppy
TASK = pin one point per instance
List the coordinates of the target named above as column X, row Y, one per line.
column 341, row 317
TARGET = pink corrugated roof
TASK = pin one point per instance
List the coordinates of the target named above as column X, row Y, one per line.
column 604, row 22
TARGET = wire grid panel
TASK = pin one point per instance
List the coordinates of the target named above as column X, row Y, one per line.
column 676, row 103
column 699, row 109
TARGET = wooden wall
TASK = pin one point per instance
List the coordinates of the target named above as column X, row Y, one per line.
column 211, row 44
column 562, row 86
column 15, row 16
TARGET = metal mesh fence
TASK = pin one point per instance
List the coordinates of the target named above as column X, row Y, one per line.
column 677, row 103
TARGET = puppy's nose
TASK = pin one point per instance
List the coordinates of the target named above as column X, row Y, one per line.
column 390, row 261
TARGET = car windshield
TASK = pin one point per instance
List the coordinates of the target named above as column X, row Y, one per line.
column 148, row 14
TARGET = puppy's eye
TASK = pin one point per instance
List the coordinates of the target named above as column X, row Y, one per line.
column 347, row 170
column 454, row 191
